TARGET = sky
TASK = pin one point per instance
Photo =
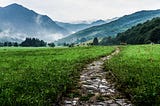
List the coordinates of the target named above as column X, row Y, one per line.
column 77, row 10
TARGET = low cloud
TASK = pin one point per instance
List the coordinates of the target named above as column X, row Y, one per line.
column 38, row 19
column 8, row 35
column 51, row 37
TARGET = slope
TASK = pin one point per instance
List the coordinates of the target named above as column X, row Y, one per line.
column 75, row 27
column 142, row 33
column 18, row 22
column 112, row 28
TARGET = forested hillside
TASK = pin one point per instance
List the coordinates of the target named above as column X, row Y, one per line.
column 142, row 33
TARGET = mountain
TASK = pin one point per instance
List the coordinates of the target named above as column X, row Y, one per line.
column 75, row 27
column 98, row 22
column 112, row 28
column 18, row 22
column 71, row 27
column 142, row 33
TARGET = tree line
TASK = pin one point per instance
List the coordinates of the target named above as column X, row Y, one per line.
column 9, row 44
column 28, row 42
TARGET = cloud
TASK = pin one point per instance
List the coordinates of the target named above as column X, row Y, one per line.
column 72, row 10
column 52, row 37
column 8, row 35
column 38, row 19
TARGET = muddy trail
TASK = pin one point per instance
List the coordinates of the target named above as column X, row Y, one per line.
column 94, row 89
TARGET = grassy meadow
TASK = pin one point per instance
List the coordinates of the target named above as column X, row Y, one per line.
column 137, row 71
column 38, row 76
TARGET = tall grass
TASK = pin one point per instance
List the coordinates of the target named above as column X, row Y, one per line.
column 137, row 69
column 31, row 76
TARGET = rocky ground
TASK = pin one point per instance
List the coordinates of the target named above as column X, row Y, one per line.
column 94, row 89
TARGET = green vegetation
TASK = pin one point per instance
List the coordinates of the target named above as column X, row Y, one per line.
column 137, row 69
column 95, row 41
column 9, row 44
column 51, row 45
column 142, row 33
column 33, row 42
column 145, row 33
column 38, row 76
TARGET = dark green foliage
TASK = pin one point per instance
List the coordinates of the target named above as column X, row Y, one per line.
column 15, row 44
column 5, row 43
column 155, row 35
column 33, row 42
column 108, row 41
column 10, row 44
column 1, row 44
column 142, row 33
column 65, row 44
column 71, row 45
column 95, row 41
column 51, row 44
column 89, row 44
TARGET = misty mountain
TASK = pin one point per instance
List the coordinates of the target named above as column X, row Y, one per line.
column 112, row 28
column 98, row 22
column 75, row 27
column 18, row 22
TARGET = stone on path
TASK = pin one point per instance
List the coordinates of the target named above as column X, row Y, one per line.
column 95, row 89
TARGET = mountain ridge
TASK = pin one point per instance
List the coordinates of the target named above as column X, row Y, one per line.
column 145, row 33
column 19, row 22
column 112, row 28
column 75, row 27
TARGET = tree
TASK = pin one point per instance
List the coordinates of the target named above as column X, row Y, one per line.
column 33, row 42
column 1, row 44
column 95, row 41
column 26, row 43
column 9, row 44
column 5, row 43
column 65, row 44
column 51, row 44
column 108, row 41
column 15, row 44
column 155, row 35
column 71, row 45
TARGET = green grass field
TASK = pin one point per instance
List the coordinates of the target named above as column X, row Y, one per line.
column 137, row 69
column 38, row 76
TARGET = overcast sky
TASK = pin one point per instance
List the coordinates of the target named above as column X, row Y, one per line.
column 74, row 10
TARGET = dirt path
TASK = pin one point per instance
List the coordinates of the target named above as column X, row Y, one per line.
column 95, row 90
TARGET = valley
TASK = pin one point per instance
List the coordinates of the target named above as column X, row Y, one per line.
column 79, row 53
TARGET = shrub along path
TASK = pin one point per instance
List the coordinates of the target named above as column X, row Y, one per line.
column 94, row 89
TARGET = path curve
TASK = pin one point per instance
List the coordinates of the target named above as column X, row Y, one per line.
column 95, row 90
